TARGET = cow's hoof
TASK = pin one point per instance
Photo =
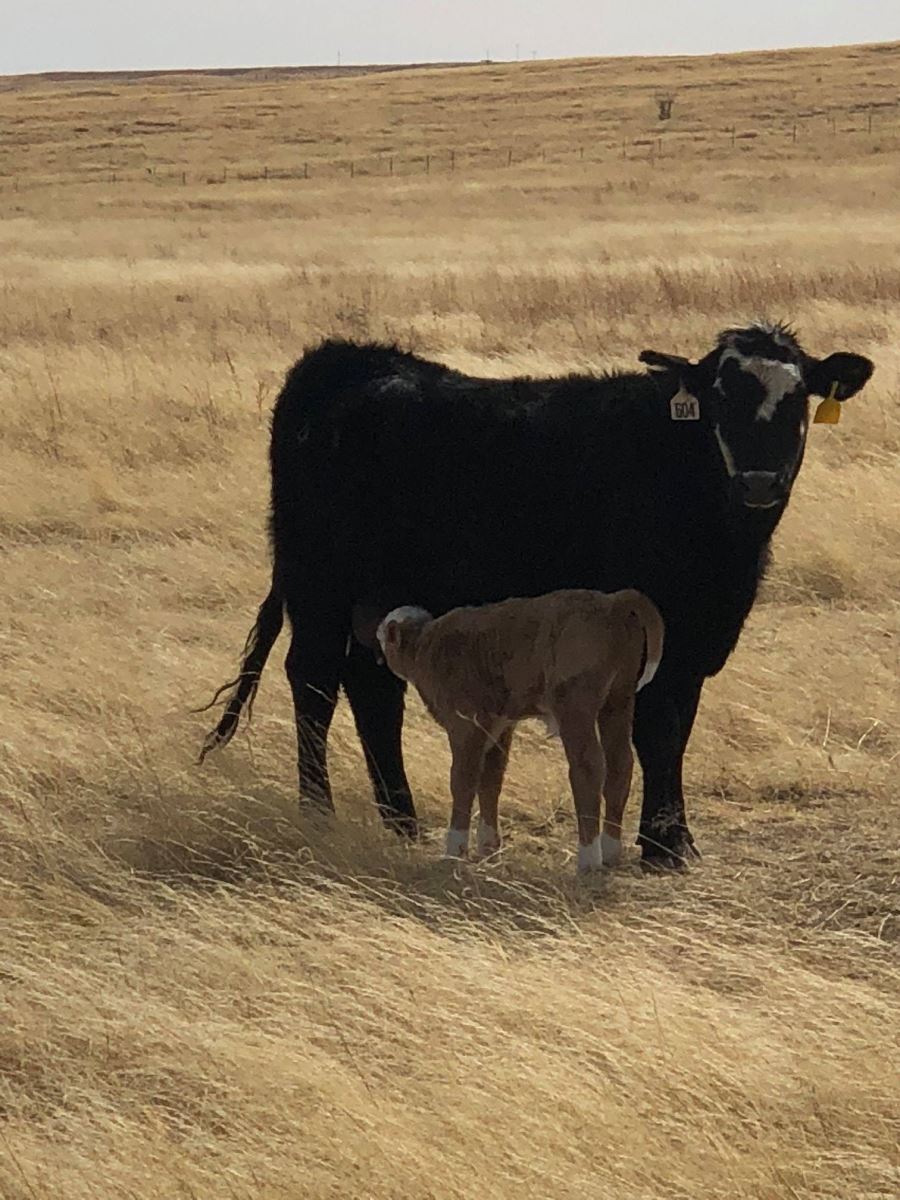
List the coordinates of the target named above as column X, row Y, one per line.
column 677, row 857
column 405, row 827
column 315, row 803
column 661, row 860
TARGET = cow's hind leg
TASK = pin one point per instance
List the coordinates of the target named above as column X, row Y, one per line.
column 616, row 721
column 664, row 717
column 587, row 771
column 313, row 664
column 492, row 772
column 376, row 698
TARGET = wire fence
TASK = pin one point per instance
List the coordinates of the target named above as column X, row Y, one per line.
column 870, row 128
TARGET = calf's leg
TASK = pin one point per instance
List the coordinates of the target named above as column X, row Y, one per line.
column 492, row 771
column 587, row 770
column 376, row 699
column 616, row 721
column 468, row 743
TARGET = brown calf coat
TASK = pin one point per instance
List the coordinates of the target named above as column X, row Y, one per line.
column 574, row 658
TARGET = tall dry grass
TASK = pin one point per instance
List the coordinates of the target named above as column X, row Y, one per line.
column 204, row 994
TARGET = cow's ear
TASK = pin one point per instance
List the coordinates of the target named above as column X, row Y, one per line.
column 838, row 376
column 693, row 377
column 665, row 362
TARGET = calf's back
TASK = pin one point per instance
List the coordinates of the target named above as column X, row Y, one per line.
column 514, row 659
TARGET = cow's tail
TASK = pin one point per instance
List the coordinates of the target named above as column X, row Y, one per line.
column 648, row 616
column 260, row 641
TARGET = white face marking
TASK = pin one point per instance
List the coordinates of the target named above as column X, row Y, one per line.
column 457, row 844
column 611, row 849
column 407, row 612
column 778, row 378
column 727, row 456
column 590, row 858
column 488, row 841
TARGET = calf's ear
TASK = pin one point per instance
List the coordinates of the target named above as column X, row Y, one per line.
column 392, row 633
column 839, row 375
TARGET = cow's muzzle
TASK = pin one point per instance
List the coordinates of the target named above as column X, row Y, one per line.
column 759, row 489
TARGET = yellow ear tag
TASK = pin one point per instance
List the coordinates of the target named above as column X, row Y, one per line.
column 829, row 411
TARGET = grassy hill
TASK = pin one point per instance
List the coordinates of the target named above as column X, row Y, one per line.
column 597, row 110
column 205, row 994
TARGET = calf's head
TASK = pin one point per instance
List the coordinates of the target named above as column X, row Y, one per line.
column 752, row 393
column 398, row 636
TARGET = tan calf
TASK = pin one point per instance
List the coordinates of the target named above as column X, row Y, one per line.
column 573, row 658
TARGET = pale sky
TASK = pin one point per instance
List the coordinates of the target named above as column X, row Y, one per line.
column 79, row 35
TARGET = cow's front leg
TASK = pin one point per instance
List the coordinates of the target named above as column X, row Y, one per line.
column 376, row 698
column 663, row 720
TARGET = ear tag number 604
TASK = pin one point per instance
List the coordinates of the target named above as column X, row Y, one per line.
column 684, row 407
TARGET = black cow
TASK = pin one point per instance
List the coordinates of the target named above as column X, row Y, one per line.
column 396, row 480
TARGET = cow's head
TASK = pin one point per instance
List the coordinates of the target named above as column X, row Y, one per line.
column 752, row 393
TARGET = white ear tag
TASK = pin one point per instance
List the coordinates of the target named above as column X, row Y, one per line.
column 684, row 407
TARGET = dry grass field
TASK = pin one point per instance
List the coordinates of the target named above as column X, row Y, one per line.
column 203, row 994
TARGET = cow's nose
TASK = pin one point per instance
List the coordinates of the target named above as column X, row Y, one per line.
column 759, row 489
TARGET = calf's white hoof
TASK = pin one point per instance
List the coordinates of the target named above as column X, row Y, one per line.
column 488, row 841
column 590, row 857
column 457, row 843
column 610, row 850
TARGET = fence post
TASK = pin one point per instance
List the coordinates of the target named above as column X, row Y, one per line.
column 427, row 164
column 870, row 120
column 265, row 172
column 184, row 176
column 452, row 160
column 306, row 170
column 224, row 174
column 581, row 153
column 352, row 169
column 543, row 156
column 794, row 132
column 733, row 136
column 659, row 145
column 509, row 157
column 391, row 165
column 833, row 125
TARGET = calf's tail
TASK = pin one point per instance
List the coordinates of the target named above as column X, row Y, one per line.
column 641, row 607
column 654, row 635
column 259, row 643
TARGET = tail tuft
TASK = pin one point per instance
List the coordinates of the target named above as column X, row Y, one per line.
column 259, row 643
